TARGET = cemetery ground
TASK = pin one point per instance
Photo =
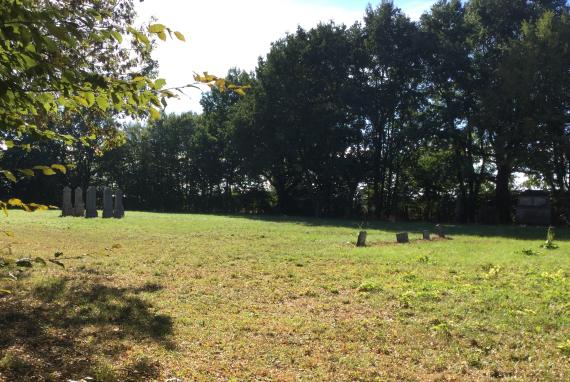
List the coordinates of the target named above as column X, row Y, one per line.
column 228, row 298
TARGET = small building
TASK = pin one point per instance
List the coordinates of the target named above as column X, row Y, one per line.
column 533, row 208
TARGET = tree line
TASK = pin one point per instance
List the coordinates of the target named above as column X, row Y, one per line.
column 432, row 119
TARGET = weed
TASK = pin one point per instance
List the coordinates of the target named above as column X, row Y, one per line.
column 549, row 243
column 564, row 348
column 529, row 252
column 369, row 286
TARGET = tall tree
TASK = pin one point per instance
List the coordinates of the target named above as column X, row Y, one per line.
column 394, row 75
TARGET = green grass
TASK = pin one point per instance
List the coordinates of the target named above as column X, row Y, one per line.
column 203, row 298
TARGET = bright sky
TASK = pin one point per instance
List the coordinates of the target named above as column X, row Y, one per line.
column 221, row 34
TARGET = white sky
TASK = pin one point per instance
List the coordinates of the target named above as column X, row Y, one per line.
column 221, row 34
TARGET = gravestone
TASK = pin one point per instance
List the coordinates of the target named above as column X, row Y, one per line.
column 91, row 202
column 361, row 241
column 67, row 207
column 426, row 235
column 402, row 237
column 78, row 205
column 439, row 230
column 107, row 203
column 119, row 210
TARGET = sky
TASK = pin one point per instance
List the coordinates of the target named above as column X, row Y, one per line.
column 222, row 34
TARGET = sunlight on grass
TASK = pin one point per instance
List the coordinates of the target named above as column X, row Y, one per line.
column 198, row 297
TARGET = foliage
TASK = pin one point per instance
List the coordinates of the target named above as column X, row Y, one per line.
column 390, row 118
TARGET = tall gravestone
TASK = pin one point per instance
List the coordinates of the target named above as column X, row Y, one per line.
column 67, row 207
column 91, row 202
column 79, row 206
column 107, row 203
column 119, row 210
column 402, row 237
column 361, row 241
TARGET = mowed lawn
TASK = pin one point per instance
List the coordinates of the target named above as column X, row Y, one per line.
column 223, row 298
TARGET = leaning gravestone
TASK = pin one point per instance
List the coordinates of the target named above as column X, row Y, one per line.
column 119, row 210
column 402, row 237
column 426, row 235
column 107, row 203
column 67, row 207
column 91, row 202
column 361, row 241
column 78, row 205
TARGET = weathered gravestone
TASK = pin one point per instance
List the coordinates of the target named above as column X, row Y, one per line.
column 78, row 205
column 67, row 207
column 426, row 235
column 91, row 202
column 119, row 211
column 107, row 203
column 361, row 241
column 402, row 237
column 439, row 230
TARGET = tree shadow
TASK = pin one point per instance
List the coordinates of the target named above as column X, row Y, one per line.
column 499, row 231
column 62, row 328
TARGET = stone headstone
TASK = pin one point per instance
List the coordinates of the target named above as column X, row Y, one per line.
column 402, row 237
column 119, row 210
column 91, row 202
column 439, row 230
column 67, row 207
column 78, row 205
column 107, row 203
column 361, row 241
column 426, row 235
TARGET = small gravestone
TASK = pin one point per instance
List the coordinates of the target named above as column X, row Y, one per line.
column 119, row 210
column 91, row 202
column 107, row 203
column 426, row 235
column 439, row 230
column 402, row 237
column 78, row 205
column 361, row 241
column 67, row 207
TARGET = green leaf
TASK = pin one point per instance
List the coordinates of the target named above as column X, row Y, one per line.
column 159, row 83
column 117, row 36
column 161, row 35
column 9, row 175
column 102, row 102
column 27, row 172
column 156, row 28
column 61, row 168
column 179, row 36
column 154, row 114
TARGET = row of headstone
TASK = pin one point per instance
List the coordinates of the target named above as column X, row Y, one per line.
column 89, row 210
column 402, row 237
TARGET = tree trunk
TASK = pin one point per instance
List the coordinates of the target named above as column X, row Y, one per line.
column 503, row 194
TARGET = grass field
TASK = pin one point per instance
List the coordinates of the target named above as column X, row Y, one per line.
column 221, row 298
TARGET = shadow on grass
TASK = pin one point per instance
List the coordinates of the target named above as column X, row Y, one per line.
column 62, row 329
column 502, row 231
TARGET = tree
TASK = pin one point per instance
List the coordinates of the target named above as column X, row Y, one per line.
column 305, row 139
column 392, row 98
column 65, row 60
